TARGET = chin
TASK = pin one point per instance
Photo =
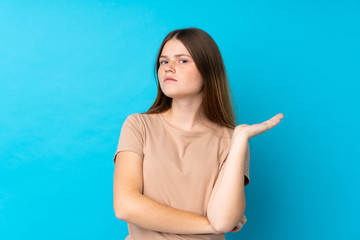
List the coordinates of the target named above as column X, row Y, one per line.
column 171, row 94
column 176, row 94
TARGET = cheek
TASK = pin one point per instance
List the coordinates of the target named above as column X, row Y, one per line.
column 194, row 75
column 198, row 81
column 193, row 82
column 160, row 73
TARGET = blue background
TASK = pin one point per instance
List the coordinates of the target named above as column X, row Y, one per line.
column 72, row 71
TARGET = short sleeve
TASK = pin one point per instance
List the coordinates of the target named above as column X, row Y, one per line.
column 246, row 167
column 131, row 136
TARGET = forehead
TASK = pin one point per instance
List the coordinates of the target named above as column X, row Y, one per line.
column 174, row 47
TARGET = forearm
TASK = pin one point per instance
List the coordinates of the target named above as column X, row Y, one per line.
column 147, row 213
column 227, row 203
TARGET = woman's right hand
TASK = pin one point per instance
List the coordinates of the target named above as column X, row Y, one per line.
column 240, row 224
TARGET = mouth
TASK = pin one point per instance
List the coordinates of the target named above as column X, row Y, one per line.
column 170, row 79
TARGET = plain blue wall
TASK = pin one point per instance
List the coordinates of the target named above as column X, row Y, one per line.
column 72, row 71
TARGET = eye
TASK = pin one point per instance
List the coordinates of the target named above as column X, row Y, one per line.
column 161, row 62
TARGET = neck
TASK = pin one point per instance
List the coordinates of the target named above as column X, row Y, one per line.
column 186, row 114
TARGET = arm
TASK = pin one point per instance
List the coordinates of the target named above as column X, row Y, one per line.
column 227, row 201
column 132, row 206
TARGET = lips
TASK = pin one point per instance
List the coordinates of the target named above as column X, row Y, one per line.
column 169, row 79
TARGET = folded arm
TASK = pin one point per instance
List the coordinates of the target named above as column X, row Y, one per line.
column 132, row 206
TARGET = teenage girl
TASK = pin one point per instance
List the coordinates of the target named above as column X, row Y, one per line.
column 181, row 167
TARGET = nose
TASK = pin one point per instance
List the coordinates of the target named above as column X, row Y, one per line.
column 169, row 67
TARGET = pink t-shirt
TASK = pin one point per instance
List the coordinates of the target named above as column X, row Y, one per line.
column 180, row 167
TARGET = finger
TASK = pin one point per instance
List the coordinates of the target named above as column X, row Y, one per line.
column 277, row 117
column 272, row 122
column 235, row 229
column 243, row 219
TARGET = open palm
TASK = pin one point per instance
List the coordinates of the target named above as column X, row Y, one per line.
column 255, row 129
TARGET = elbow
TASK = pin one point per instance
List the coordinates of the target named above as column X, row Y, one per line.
column 225, row 224
column 122, row 209
column 224, row 228
column 120, row 212
column 221, row 225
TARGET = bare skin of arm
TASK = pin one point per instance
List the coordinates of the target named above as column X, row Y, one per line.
column 227, row 203
column 131, row 206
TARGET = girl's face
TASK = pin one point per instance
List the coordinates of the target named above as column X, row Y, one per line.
column 176, row 62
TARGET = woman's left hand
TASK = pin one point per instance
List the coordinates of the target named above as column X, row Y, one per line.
column 249, row 131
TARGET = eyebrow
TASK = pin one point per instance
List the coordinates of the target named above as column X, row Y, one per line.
column 177, row 55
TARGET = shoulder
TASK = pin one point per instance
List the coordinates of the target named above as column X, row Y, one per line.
column 229, row 131
column 142, row 120
column 225, row 132
column 140, row 117
column 134, row 120
column 136, row 117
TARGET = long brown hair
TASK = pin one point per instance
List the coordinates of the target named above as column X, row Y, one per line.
column 216, row 101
